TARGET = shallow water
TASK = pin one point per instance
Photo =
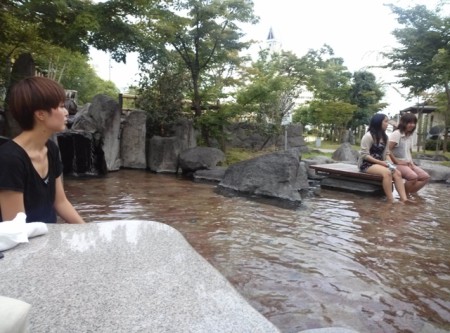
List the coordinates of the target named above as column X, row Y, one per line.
column 338, row 260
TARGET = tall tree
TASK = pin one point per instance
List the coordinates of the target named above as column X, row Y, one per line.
column 274, row 83
column 331, row 85
column 203, row 33
column 366, row 93
column 331, row 79
column 34, row 25
column 162, row 94
column 424, row 55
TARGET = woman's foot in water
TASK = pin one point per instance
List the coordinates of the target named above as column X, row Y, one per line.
column 407, row 201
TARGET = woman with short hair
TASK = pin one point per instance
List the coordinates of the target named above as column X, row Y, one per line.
column 30, row 164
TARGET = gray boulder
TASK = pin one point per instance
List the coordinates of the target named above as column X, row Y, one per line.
column 213, row 175
column 163, row 154
column 276, row 175
column 314, row 161
column 102, row 116
column 294, row 135
column 184, row 130
column 199, row 158
column 345, row 153
column 437, row 172
column 132, row 143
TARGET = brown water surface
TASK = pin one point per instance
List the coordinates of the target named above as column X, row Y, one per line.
column 338, row 260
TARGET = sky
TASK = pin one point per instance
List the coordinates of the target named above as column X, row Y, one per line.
column 357, row 31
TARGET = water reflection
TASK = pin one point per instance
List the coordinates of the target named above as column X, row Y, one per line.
column 338, row 260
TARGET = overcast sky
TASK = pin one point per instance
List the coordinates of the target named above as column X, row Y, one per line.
column 357, row 31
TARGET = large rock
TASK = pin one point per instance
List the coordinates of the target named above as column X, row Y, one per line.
column 102, row 116
column 185, row 133
column 292, row 137
column 163, row 156
column 211, row 175
column 437, row 172
column 346, row 153
column 123, row 276
column 276, row 175
column 250, row 136
column 163, row 152
column 132, row 143
column 199, row 158
column 81, row 154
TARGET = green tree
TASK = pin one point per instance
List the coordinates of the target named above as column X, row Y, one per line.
column 329, row 78
column 366, row 94
column 161, row 93
column 274, row 83
column 73, row 71
column 424, row 55
column 33, row 26
column 203, row 33
column 330, row 82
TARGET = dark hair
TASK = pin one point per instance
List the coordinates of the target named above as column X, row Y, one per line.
column 405, row 120
column 32, row 94
column 376, row 129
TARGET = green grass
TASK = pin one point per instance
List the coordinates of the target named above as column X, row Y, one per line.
column 234, row 155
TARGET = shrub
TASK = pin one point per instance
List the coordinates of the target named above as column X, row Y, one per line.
column 431, row 145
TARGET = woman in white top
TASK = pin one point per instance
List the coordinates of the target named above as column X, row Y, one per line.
column 400, row 146
column 374, row 157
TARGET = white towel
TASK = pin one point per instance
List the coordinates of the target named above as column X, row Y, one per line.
column 18, row 231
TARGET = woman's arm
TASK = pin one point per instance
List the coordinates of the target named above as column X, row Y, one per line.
column 366, row 143
column 391, row 146
column 11, row 203
column 394, row 140
column 63, row 206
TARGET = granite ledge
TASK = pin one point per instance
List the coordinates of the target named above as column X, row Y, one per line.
column 123, row 276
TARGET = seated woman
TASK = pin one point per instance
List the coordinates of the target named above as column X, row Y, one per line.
column 374, row 157
column 30, row 165
column 400, row 146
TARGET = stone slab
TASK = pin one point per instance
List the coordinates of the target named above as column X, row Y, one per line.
column 352, row 186
column 122, row 276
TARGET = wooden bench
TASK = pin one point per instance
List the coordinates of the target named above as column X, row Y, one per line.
column 347, row 177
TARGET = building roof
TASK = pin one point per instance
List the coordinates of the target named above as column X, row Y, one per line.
column 419, row 108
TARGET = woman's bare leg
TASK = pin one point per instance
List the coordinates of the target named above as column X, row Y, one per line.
column 418, row 185
column 400, row 186
column 410, row 186
column 377, row 169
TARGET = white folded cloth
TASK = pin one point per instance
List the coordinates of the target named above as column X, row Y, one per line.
column 18, row 231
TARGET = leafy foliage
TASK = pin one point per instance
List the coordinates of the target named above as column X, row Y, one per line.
column 424, row 55
column 161, row 94
column 366, row 94
column 205, row 37
column 37, row 26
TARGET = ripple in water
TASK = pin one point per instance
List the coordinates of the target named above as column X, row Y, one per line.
column 338, row 260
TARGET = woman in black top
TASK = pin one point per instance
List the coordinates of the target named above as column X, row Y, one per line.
column 30, row 167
